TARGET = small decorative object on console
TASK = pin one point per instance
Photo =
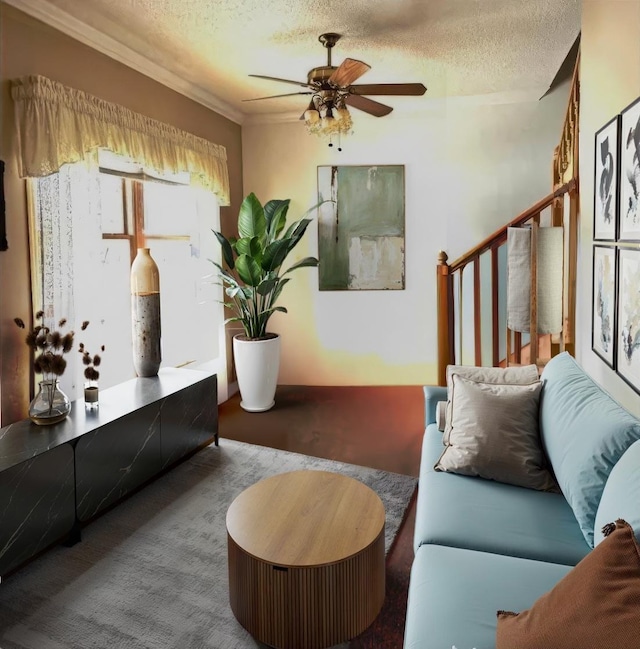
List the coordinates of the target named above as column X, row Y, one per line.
column 92, row 375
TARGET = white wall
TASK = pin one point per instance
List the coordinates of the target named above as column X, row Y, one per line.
column 610, row 80
column 469, row 168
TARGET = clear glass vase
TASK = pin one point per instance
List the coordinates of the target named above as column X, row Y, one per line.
column 50, row 405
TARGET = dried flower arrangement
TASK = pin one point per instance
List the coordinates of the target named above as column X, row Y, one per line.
column 49, row 346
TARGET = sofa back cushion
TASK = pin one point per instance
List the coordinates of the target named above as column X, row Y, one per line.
column 621, row 495
column 584, row 433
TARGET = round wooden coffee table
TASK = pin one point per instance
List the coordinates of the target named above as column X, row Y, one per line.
column 306, row 559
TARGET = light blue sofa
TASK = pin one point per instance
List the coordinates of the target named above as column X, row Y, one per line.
column 483, row 546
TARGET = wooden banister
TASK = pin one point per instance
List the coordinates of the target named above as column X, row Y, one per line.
column 445, row 315
column 445, row 275
column 500, row 236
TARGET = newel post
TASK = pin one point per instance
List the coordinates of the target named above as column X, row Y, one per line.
column 445, row 316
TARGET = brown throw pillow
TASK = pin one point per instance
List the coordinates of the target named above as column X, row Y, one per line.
column 595, row 606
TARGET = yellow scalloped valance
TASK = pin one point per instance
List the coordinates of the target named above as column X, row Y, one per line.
column 58, row 125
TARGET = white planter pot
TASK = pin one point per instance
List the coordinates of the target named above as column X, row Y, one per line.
column 257, row 365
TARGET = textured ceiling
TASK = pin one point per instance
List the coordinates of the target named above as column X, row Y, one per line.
column 457, row 48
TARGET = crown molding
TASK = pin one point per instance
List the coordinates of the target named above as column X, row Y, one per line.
column 67, row 24
column 272, row 118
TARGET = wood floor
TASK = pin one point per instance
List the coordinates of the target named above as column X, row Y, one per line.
column 377, row 426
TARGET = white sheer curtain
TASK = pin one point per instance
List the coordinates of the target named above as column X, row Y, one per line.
column 65, row 241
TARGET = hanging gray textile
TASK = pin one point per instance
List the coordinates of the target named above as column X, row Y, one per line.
column 550, row 279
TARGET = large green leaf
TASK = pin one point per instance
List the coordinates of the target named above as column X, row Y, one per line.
column 235, row 292
column 276, row 214
column 249, row 246
column 274, row 254
column 278, row 289
column 296, row 224
column 290, row 229
column 226, row 276
column 266, row 286
column 268, row 312
column 307, row 262
column 251, row 219
column 227, row 252
column 298, row 231
column 249, row 270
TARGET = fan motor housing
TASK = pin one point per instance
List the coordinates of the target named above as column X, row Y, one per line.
column 321, row 75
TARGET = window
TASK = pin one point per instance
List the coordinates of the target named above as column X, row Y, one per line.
column 87, row 226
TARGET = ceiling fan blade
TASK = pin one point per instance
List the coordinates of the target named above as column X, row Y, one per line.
column 347, row 72
column 368, row 105
column 413, row 89
column 288, row 94
column 304, row 84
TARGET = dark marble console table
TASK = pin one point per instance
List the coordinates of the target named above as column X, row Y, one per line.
column 54, row 479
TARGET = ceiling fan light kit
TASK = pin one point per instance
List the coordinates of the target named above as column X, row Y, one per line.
column 328, row 116
column 332, row 93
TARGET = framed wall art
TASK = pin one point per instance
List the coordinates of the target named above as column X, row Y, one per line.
column 604, row 303
column 606, row 181
column 361, row 231
column 629, row 227
column 628, row 317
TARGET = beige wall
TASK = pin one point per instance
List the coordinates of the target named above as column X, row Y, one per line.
column 28, row 46
column 458, row 161
column 610, row 80
column 469, row 168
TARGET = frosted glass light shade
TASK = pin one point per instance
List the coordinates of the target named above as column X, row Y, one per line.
column 311, row 116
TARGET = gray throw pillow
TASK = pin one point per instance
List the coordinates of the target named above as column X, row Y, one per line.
column 494, row 434
column 520, row 375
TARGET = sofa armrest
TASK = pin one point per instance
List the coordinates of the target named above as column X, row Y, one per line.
column 432, row 394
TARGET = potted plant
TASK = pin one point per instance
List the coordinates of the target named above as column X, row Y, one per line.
column 253, row 281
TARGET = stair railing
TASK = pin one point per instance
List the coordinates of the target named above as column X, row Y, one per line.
column 451, row 293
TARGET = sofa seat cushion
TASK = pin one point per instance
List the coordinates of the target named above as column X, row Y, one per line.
column 584, row 433
column 454, row 595
column 478, row 514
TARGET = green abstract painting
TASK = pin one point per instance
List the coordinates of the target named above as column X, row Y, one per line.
column 361, row 231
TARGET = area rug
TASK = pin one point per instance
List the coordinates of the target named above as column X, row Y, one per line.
column 152, row 572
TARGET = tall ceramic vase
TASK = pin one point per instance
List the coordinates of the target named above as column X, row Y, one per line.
column 257, row 365
column 145, row 314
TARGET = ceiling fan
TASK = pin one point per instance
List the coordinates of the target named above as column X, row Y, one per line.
column 332, row 89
